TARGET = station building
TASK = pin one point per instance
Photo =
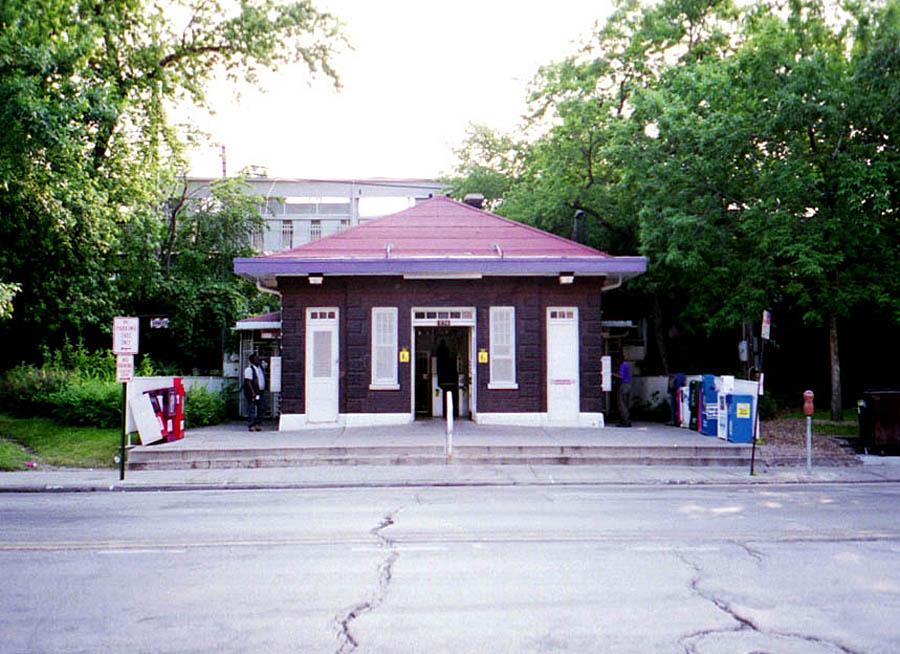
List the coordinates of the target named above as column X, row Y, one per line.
column 382, row 322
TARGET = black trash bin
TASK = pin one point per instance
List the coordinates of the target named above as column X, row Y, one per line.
column 879, row 420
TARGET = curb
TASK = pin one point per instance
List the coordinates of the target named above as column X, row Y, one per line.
column 248, row 486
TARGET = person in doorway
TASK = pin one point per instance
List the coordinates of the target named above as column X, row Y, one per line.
column 448, row 375
column 254, row 390
column 624, row 396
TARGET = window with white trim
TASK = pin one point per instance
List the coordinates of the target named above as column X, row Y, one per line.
column 503, row 347
column 384, row 348
column 287, row 234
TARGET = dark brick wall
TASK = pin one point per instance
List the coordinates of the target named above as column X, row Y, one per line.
column 355, row 297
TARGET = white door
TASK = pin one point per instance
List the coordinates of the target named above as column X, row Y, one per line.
column 322, row 361
column 562, row 365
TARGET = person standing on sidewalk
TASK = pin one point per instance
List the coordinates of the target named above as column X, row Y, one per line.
column 624, row 396
column 254, row 389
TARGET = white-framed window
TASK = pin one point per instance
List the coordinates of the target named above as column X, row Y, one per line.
column 384, row 349
column 256, row 240
column 503, row 347
column 315, row 230
column 287, row 234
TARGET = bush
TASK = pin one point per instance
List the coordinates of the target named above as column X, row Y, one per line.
column 99, row 364
column 25, row 391
column 768, row 407
column 89, row 402
column 203, row 407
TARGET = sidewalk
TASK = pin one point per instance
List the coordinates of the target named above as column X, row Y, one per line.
column 873, row 470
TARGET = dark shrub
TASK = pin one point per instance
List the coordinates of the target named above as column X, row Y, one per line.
column 25, row 391
column 90, row 402
column 97, row 364
column 203, row 407
column 768, row 406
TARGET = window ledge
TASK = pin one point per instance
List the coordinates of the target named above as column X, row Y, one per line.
column 503, row 386
column 384, row 387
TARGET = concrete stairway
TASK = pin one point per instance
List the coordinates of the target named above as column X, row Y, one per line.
column 165, row 458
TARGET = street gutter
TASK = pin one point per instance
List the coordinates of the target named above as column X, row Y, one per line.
column 243, row 486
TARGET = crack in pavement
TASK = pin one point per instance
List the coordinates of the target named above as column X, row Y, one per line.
column 688, row 641
column 348, row 642
column 754, row 554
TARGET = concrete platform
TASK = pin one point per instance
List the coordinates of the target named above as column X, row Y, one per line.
column 423, row 443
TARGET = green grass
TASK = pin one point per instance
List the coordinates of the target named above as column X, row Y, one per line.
column 823, row 425
column 843, row 429
column 822, row 415
column 57, row 445
column 13, row 456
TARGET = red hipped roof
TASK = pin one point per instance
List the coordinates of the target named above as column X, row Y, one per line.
column 440, row 227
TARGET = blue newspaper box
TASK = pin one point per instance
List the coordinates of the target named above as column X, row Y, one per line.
column 709, row 412
column 740, row 418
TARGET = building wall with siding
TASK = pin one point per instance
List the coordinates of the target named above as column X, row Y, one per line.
column 355, row 297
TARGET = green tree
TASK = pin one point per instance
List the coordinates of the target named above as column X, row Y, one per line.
column 7, row 293
column 752, row 151
column 583, row 149
column 182, row 269
column 87, row 148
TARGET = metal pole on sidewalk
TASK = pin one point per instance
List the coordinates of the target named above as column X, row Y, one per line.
column 122, row 447
column 808, row 410
column 449, row 408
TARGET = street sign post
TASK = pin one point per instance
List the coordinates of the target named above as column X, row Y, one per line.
column 124, row 368
column 126, row 339
column 126, row 335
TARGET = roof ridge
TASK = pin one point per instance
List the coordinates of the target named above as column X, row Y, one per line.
column 442, row 209
column 519, row 223
column 331, row 237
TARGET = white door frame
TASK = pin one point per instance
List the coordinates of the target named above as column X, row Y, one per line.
column 577, row 353
column 334, row 324
column 444, row 317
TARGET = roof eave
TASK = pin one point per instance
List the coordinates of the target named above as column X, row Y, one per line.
column 260, row 267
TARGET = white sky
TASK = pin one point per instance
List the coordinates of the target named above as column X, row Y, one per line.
column 420, row 71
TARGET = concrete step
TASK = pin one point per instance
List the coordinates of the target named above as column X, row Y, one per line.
column 480, row 455
column 186, row 454
column 157, row 453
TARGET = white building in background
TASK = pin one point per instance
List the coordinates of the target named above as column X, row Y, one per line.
column 298, row 211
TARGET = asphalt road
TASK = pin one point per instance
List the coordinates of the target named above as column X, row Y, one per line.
column 790, row 569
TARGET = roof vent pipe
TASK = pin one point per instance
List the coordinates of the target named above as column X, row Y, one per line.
column 496, row 248
column 577, row 222
column 474, row 200
column 387, row 250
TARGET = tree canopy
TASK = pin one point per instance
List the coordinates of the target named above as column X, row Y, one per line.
column 89, row 157
column 751, row 149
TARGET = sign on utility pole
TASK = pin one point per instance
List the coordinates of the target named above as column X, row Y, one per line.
column 766, row 325
column 765, row 332
column 126, row 338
